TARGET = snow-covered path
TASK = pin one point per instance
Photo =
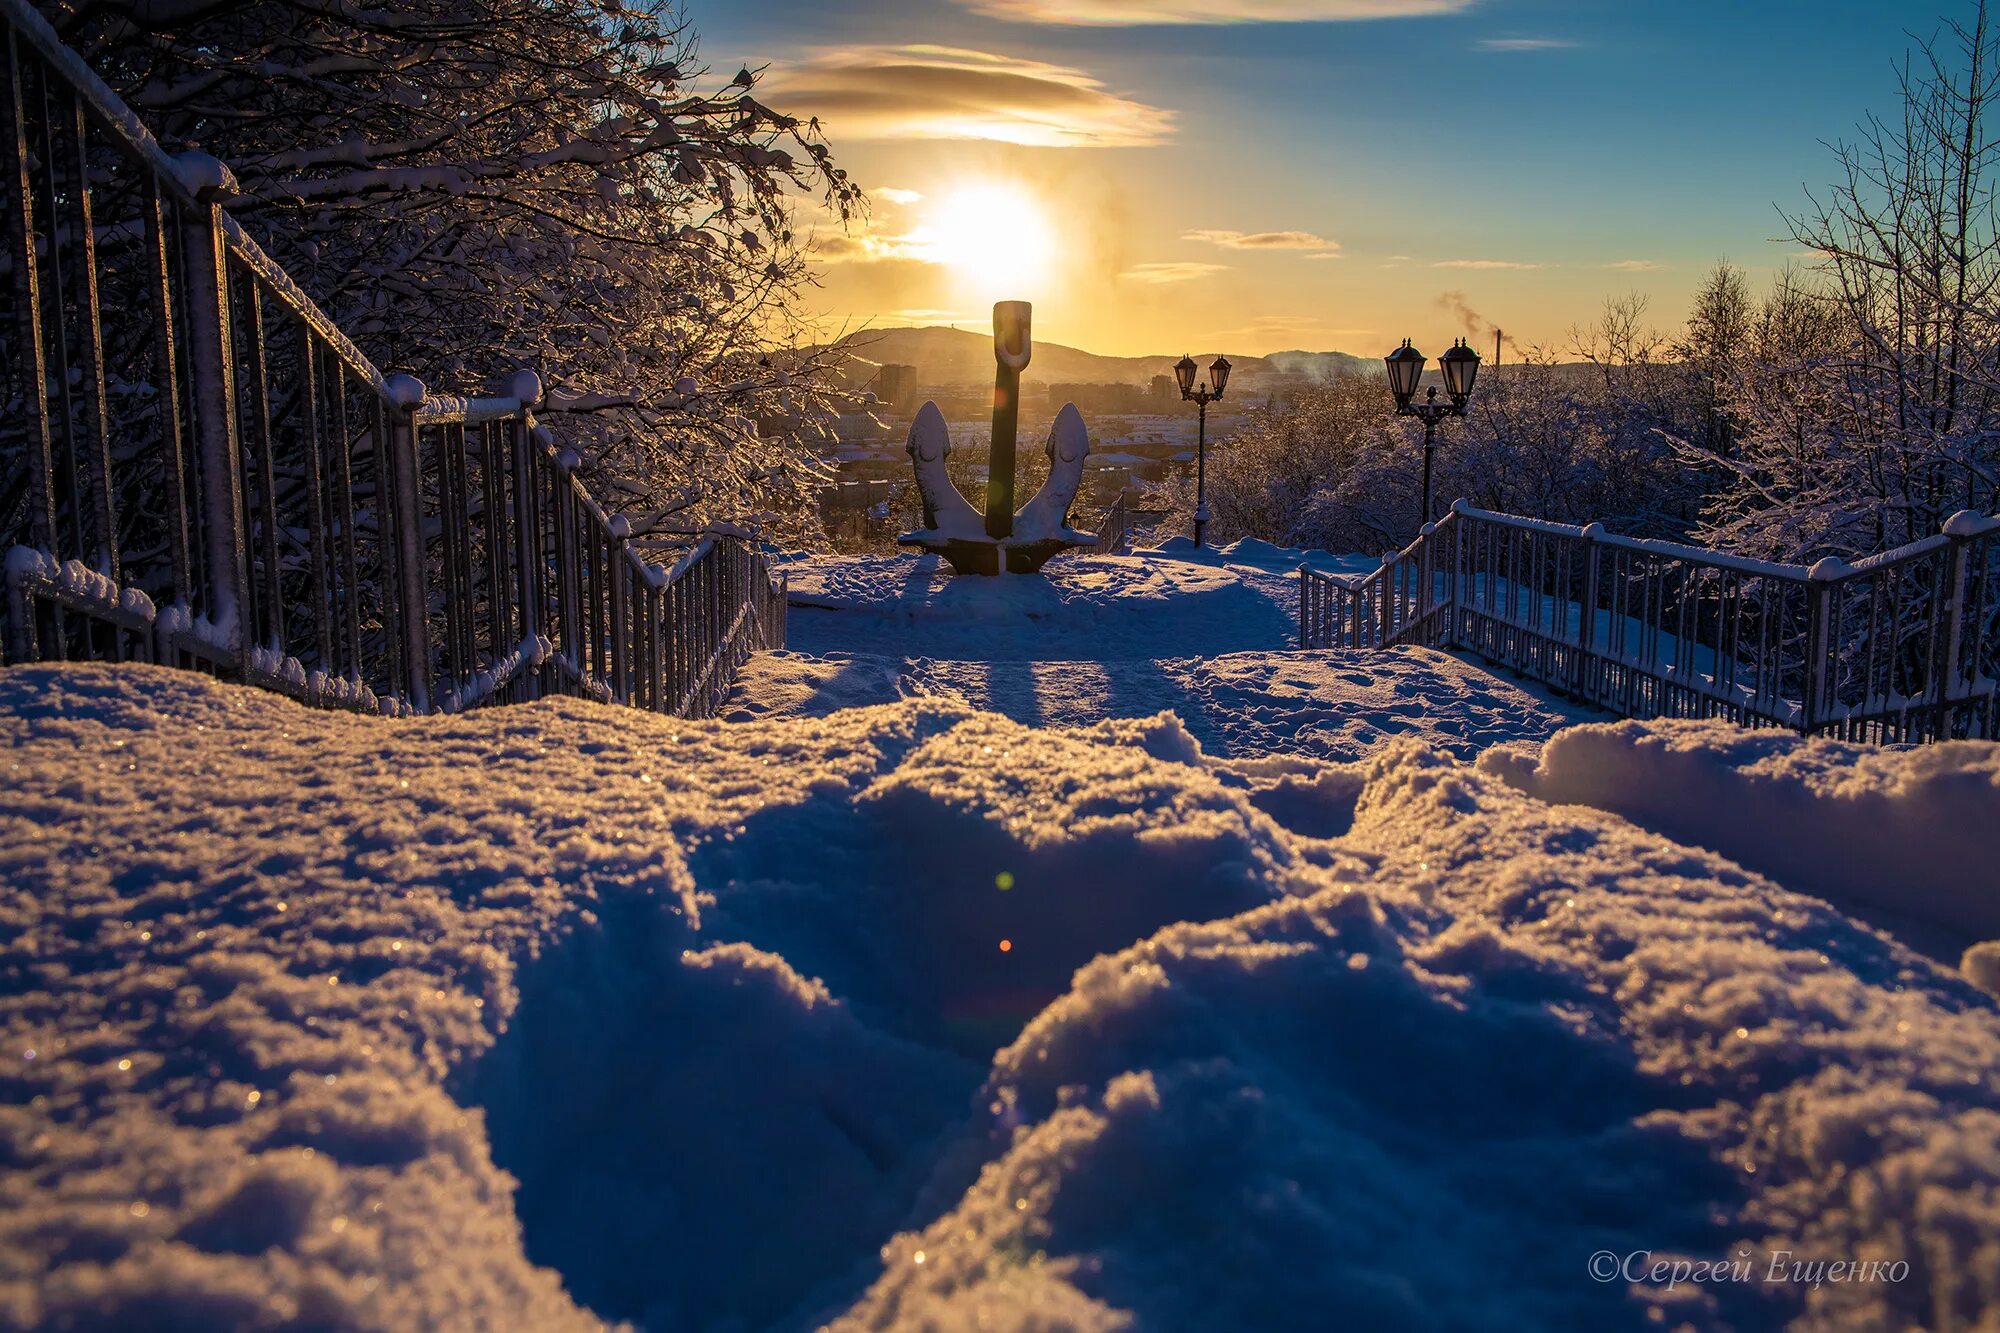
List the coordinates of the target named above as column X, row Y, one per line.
column 1174, row 602
column 1206, row 636
column 915, row 1017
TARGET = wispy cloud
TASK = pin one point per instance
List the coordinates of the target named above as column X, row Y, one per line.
column 896, row 195
column 1485, row 264
column 1274, row 326
column 937, row 92
column 1527, row 44
column 1636, row 265
column 1265, row 240
column 873, row 247
column 1131, row 13
column 1162, row 274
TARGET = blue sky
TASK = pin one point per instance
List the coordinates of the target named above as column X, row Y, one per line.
column 1511, row 152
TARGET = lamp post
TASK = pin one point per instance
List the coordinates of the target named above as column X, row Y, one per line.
column 1406, row 367
column 1218, row 375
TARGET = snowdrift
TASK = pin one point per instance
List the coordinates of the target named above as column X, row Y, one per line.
column 911, row 1016
column 1914, row 832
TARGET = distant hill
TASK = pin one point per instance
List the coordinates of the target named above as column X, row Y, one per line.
column 954, row 356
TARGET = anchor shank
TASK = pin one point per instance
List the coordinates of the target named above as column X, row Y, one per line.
column 1000, row 463
column 1011, row 350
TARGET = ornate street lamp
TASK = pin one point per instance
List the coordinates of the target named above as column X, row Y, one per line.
column 1218, row 379
column 1406, row 368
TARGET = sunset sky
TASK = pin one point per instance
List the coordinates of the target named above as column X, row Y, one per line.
column 1324, row 174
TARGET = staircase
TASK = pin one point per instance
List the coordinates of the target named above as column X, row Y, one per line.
column 199, row 468
column 1900, row 647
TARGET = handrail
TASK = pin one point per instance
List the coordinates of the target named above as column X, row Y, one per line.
column 257, row 498
column 105, row 105
column 281, row 288
column 1114, row 531
column 1902, row 646
column 1650, row 546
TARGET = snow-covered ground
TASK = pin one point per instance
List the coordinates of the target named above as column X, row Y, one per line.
column 913, row 1016
column 1207, row 636
column 1171, row 602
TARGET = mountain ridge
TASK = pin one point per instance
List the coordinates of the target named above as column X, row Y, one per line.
column 944, row 355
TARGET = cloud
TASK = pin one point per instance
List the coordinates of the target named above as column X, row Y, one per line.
column 895, row 195
column 1161, row 274
column 872, row 247
column 938, row 92
column 1264, row 240
column 1484, row 263
column 1636, row 265
column 1276, row 327
column 1527, row 44
column 1131, row 13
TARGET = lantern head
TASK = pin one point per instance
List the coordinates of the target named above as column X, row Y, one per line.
column 1406, row 367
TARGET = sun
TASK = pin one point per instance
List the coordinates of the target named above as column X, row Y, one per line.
column 996, row 240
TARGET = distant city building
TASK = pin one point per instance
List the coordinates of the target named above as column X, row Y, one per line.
column 895, row 384
column 1100, row 398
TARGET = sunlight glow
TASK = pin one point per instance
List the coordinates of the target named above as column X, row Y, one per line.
column 996, row 240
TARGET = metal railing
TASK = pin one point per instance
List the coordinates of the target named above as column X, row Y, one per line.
column 1114, row 531
column 1900, row 647
column 201, row 469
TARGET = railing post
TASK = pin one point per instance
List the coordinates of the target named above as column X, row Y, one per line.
column 1586, row 625
column 1950, row 673
column 1818, row 683
column 1453, row 637
column 619, row 567
column 1387, row 580
column 526, row 386
column 30, row 362
column 406, row 398
column 212, row 372
column 1425, row 594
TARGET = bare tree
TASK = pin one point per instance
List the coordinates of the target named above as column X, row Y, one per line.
column 1909, row 254
column 470, row 186
column 1719, row 330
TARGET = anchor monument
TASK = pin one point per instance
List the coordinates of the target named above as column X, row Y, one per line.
column 1000, row 539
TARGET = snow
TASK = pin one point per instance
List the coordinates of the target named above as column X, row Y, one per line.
column 1531, row 1035
column 1322, row 705
column 1018, row 952
column 1168, row 602
column 1906, row 832
column 544, row 1015
column 1204, row 635
column 77, row 583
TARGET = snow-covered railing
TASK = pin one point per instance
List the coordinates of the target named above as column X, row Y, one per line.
column 1114, row 533
column 1901, row 646
column 201, row 468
